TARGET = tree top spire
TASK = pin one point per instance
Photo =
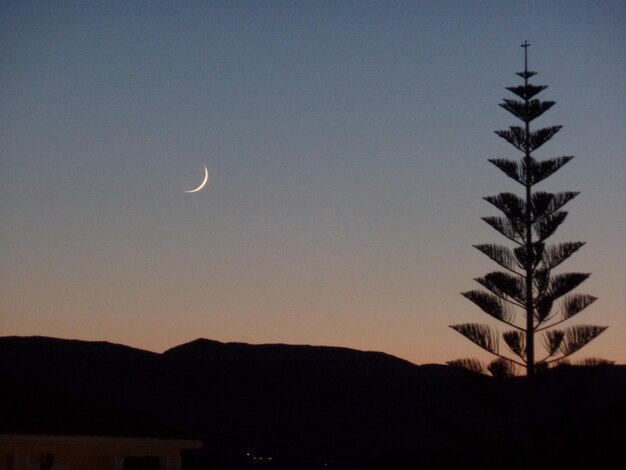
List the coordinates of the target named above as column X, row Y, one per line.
column 526, row 74
column 525, row 46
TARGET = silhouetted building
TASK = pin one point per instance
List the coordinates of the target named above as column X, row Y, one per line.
column 65, row 452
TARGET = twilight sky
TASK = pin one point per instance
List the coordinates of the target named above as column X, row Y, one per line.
column 346, row 143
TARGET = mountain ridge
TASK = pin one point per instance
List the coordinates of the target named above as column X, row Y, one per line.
column 307, row 404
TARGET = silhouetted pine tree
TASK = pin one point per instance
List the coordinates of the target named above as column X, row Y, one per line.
column 528, row 284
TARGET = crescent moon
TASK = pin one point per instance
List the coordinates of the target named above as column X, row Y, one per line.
column 204, row 181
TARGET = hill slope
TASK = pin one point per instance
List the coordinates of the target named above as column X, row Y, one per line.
column 309, row 405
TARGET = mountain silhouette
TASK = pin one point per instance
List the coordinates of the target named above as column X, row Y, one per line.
column 306, row 406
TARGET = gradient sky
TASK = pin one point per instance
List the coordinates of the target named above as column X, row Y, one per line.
column 346, row 143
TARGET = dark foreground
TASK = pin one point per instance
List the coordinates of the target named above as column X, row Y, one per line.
column 302, row 407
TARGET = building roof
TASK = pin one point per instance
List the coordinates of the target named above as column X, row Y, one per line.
column 99, row 440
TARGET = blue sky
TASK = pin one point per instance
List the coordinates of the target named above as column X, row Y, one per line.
column 346, row 144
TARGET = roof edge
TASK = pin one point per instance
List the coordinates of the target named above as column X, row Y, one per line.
column 99, row 440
